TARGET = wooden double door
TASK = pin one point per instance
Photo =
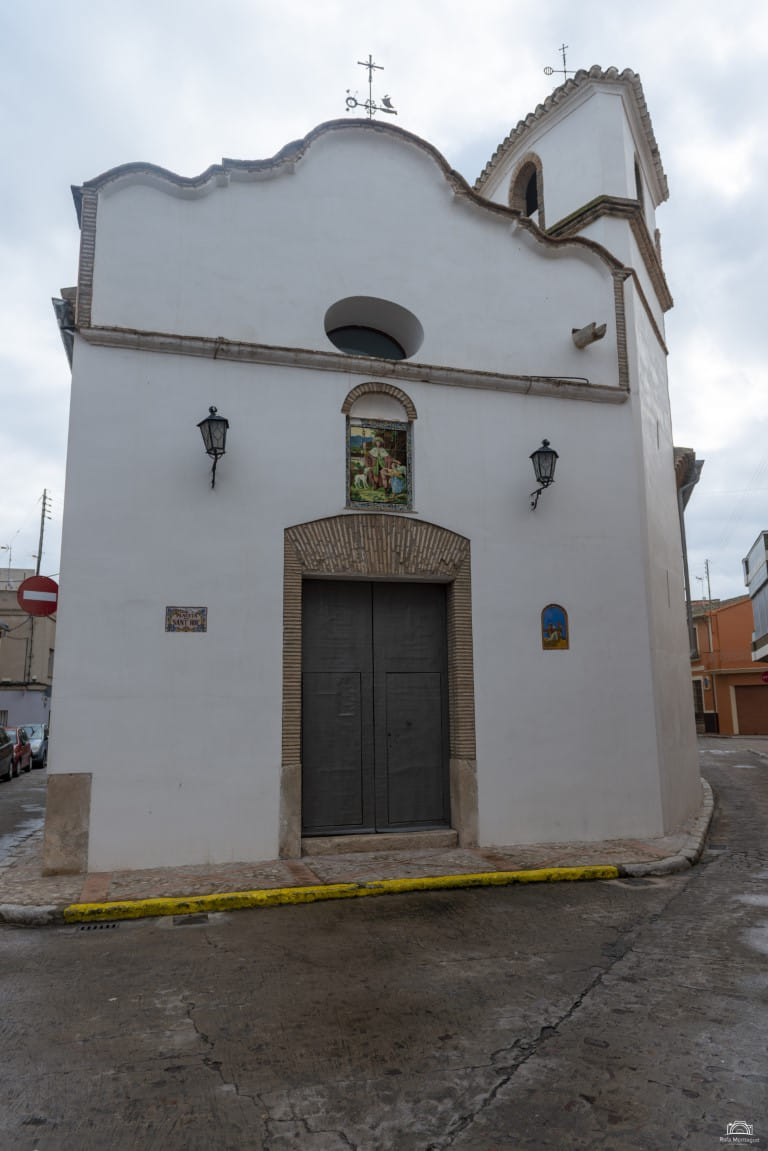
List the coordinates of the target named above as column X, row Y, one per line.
column 374, row 707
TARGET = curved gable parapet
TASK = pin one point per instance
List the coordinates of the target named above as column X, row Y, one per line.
column 156, row 248
column 285, row 160
column 139, row 171
column 562, row 95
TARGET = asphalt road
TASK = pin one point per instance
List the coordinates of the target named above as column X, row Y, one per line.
column 22, row 809
column 612, row 1016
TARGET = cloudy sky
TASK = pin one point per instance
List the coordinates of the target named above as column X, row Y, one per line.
column 91, row 84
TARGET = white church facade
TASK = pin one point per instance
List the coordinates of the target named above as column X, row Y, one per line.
column 364, row 631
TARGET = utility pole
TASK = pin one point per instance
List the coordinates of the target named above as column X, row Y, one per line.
column 45, row 514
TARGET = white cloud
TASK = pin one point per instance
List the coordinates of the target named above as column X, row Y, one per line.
column 718, row 392
column 725, row 164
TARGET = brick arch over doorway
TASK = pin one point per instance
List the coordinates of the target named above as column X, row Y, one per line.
column 374, row 547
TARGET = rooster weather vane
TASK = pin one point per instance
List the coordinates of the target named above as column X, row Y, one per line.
column 370, row 106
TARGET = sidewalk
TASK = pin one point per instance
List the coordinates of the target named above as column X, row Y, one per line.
column 27, row 897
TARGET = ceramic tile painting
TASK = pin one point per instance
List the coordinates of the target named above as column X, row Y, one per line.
column 379, row 465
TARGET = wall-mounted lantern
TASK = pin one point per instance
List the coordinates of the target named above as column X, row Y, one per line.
column 214, row 432
column 544, row 460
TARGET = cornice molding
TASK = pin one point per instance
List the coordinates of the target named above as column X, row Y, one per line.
column 570, row 388
column 619, row 208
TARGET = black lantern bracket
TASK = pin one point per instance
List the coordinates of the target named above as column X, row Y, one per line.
column 214, row 432
column 543, row 460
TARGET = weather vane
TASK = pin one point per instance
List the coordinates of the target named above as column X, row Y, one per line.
column 370, row 106
column 565, row 71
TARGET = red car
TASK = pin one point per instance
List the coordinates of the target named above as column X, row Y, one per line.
column 22, row 751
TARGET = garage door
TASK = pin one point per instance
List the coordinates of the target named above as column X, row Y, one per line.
column 752, row 709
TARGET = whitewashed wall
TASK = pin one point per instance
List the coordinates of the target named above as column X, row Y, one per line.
column 183, row 731
column 365, row 214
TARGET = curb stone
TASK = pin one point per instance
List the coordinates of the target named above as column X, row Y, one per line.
column 688, row 854
column 282, row 896
column 669, row 866
column 22, row 916
column 28, row 916
column 19, row 915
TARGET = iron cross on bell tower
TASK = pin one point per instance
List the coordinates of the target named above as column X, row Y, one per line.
column 563, row 71
column 370, row 106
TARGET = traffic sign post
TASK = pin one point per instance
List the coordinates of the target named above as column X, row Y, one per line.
column 38, row 595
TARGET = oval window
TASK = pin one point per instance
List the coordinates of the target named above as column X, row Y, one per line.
column 357, row 340
column 370, row 326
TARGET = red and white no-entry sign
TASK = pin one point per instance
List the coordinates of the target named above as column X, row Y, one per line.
column 38, row 595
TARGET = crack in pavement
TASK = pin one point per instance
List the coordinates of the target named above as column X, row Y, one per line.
column 297, row 1121
column 618, row 951
column 265, row 1119
column 215, row 1066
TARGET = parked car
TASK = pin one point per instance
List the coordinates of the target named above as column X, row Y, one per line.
column 7, row 764
column 38, row 741
column 22, row 752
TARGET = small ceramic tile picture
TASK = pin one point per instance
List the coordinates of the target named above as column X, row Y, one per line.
column 554, row 628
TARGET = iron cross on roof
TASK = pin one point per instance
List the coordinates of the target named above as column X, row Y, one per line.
column 370, row 106
column 564, row 71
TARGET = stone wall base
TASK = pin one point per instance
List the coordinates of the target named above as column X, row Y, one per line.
column 67, row 822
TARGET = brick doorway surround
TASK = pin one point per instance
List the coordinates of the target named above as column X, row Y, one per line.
column 380, row 546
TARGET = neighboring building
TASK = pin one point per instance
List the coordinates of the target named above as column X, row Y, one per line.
column 26, row 656
column 363, row 632
column 756, row 578
column 687, row 475
column 729, row 694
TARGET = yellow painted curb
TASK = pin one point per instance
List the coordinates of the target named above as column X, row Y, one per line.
column 280, row 896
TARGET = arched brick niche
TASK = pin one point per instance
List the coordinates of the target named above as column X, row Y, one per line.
column 381, row 547
column 380, row 389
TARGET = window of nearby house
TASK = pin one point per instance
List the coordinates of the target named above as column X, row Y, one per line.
column 50, row 663
column 3, row 717
column 698, row 697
